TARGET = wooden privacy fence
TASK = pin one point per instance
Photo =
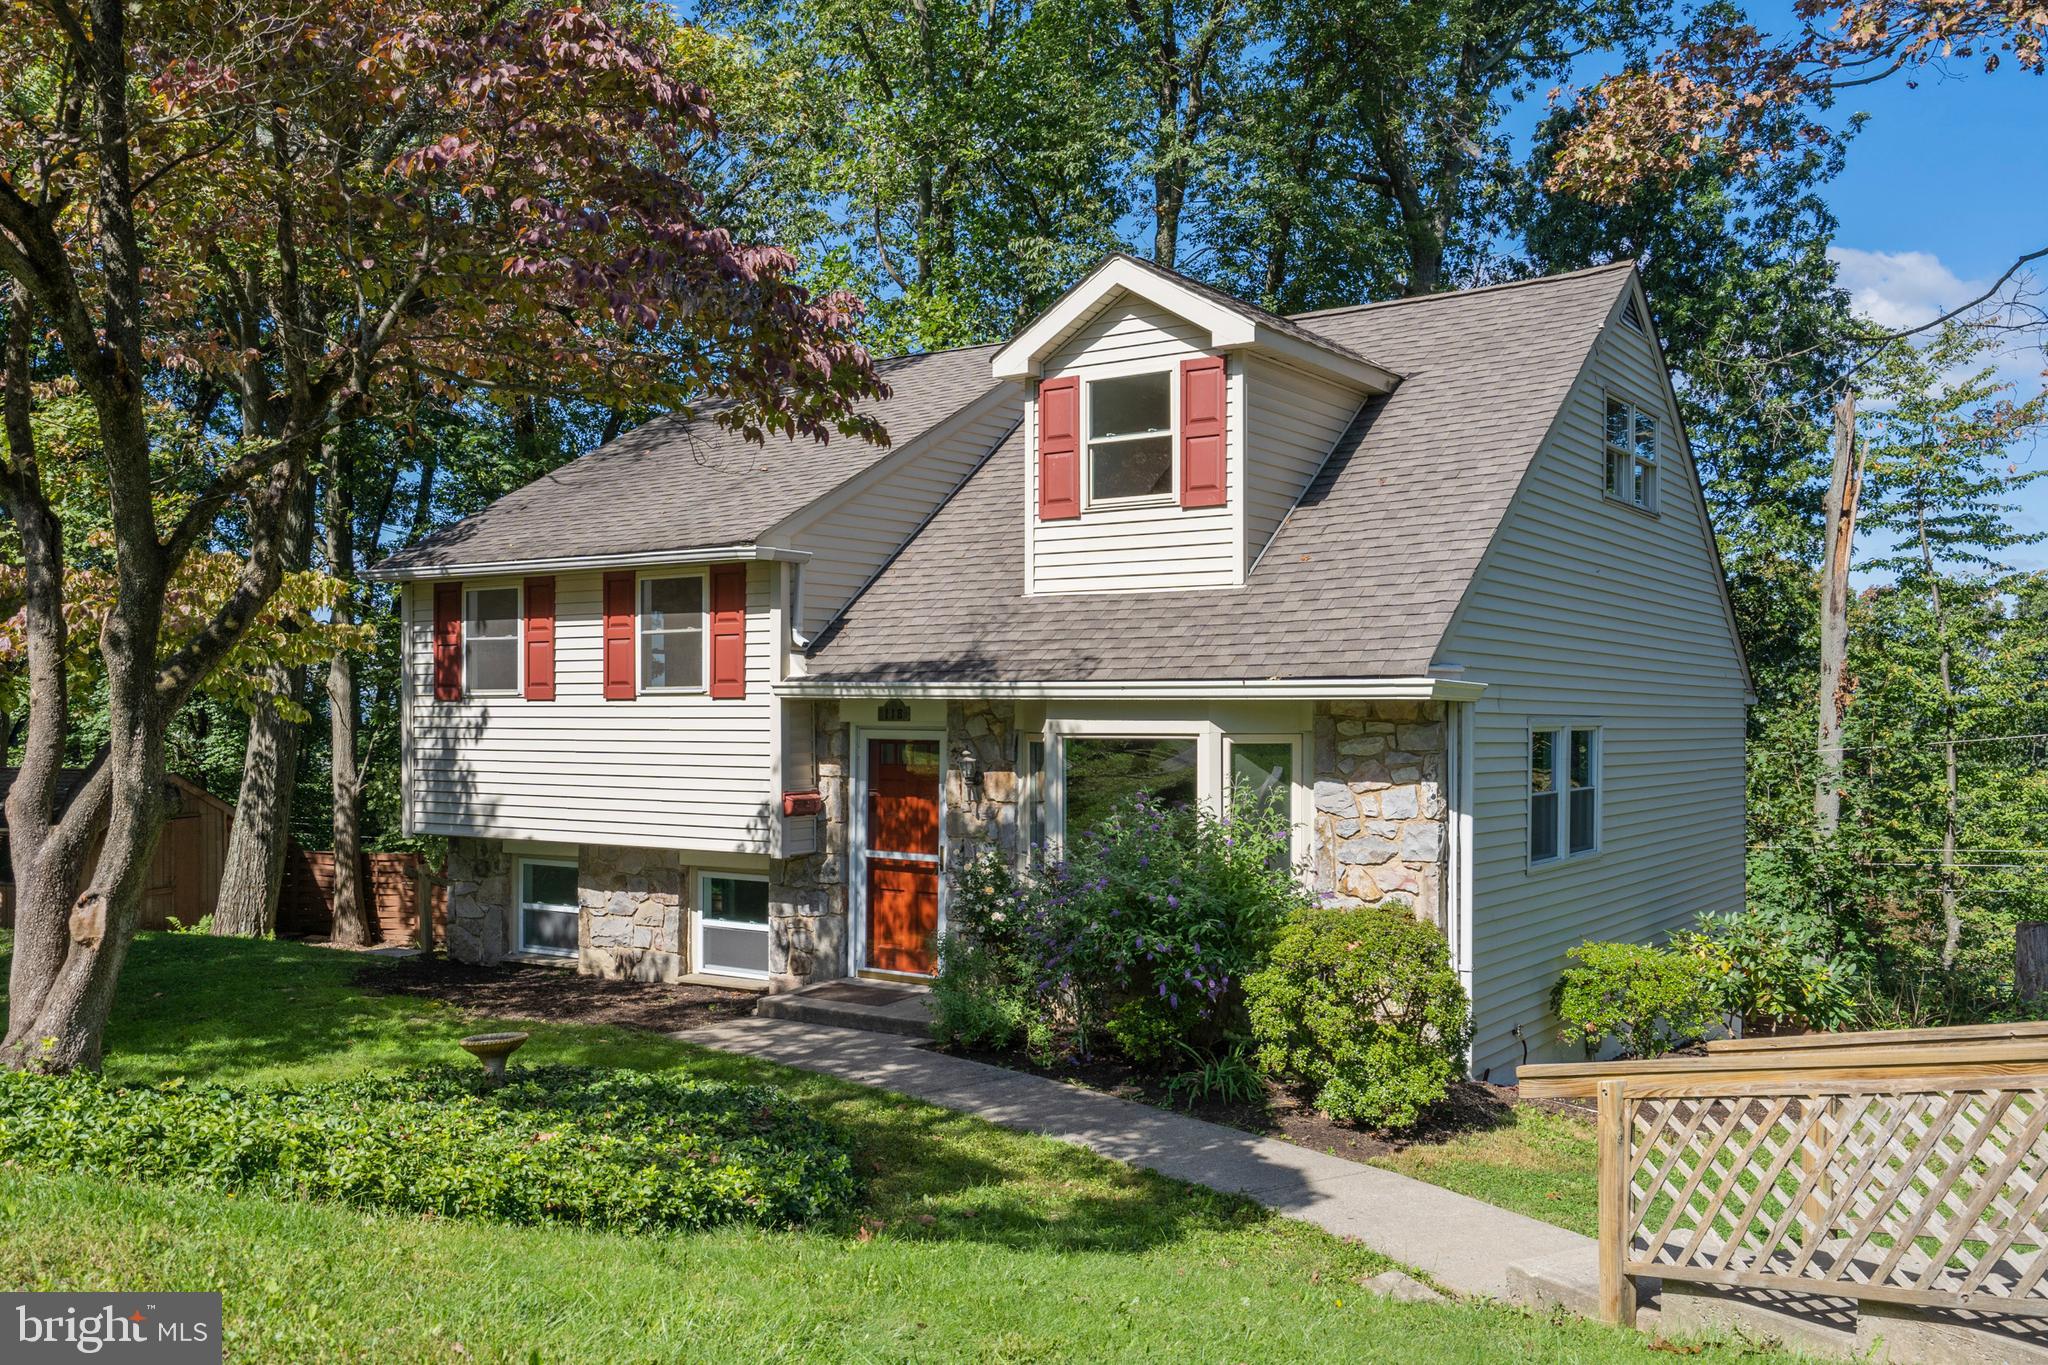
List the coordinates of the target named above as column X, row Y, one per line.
column 1911, row 1170
column 391, row 882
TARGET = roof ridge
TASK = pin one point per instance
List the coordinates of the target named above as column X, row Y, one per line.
column 1448, row 294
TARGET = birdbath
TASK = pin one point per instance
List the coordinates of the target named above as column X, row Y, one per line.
column 492, row 1049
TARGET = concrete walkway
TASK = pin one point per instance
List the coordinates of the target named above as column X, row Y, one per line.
column 1463, row 1244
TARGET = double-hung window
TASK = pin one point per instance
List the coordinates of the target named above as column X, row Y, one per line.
column 1631, row 455
column 1130, row 437
column 672, row 634
column 490, row 640
column 548, row 913
column 1564, row 792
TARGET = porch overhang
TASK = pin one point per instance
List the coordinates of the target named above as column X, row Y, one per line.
column 1269, row 689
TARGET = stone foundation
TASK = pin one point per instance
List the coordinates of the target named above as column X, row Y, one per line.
column 479, row 900
column 1380, row 814
column 632, row 921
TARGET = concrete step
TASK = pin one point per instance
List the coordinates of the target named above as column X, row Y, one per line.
column 901, row 1010
column 1839, row 1329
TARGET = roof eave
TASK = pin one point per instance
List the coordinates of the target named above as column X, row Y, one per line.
column 1228, row 329
column 1411, row 688
column 698, row 554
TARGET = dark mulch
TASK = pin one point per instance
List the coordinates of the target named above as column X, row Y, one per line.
column 523, row 990
column 1470, row 1107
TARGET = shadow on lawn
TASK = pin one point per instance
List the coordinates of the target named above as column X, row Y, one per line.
column 236, row 1010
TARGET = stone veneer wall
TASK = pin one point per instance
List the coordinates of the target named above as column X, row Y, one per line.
column 1380, row 810
column 809, row 908
column 807, row 904
column 632, row 920
column 479, row 894
column 990, row 728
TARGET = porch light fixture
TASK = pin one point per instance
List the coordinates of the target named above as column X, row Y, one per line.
column 968, row 765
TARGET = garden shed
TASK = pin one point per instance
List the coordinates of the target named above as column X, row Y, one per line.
column 184, row 877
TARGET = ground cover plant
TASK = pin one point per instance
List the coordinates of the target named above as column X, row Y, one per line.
column 591, row 1146
column 972, row 1242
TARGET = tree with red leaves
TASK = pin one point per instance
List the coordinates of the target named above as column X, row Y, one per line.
column 276, row 222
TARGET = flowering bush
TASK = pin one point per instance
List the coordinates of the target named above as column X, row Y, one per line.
column 1362, row 1006
column 1145, row 934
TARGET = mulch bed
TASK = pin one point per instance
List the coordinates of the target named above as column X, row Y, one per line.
column 520, row 990
column 1471, row 1106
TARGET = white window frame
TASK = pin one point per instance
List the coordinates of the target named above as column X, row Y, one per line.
column 703, row 917
column 1034, row 784
column 520, row 905
column 1131, row 370
column 1299, row 798
column 1641, row 471
column 1058, row 732
column 640, row 631
column 469, row 637
column 1560, row 733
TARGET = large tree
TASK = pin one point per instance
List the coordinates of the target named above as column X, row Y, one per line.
column 307, row 208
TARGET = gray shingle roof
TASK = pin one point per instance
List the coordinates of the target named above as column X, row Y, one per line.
column 1360, row 581
column 683, row 485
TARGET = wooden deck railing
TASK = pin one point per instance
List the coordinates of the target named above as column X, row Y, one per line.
column 1910, row 1172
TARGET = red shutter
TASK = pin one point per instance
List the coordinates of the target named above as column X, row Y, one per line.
column 540, row 639
column 447, row 642
column 1059, row 449
column 619, row 591
column 728, row 630
column 1203, row 469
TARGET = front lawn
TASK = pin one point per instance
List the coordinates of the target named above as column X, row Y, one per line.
column 974, row 1242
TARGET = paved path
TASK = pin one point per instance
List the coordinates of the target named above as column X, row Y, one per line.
column 1463, row 1244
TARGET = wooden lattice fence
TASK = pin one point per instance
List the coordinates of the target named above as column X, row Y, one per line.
column 1913, row 1192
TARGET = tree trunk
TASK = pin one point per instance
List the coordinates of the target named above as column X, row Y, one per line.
column 1838, row 542
column 352, row 924
column 252, row 872
column 2031, row 959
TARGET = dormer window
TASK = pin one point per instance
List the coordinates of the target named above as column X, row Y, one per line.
column 1130, row 438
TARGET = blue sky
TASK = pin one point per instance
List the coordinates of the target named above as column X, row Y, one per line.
column 1944, row 187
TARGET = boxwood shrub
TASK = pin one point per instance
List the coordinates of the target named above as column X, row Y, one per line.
column 1362, row 1008
column 621, row 1150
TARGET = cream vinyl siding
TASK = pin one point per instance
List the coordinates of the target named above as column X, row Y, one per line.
column 1588, row 611
column 665, row 770
column 852, row 535
column 1142, row 548
column 1292, row 422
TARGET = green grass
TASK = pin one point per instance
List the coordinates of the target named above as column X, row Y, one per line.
column 977, row 1243
column 1540, row 1163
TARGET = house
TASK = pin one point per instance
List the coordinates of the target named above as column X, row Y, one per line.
column 1439, row 569
column 185, row 871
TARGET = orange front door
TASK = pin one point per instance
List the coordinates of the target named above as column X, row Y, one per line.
column 903, row 855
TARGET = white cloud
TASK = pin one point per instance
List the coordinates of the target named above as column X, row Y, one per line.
column 1900, row 288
